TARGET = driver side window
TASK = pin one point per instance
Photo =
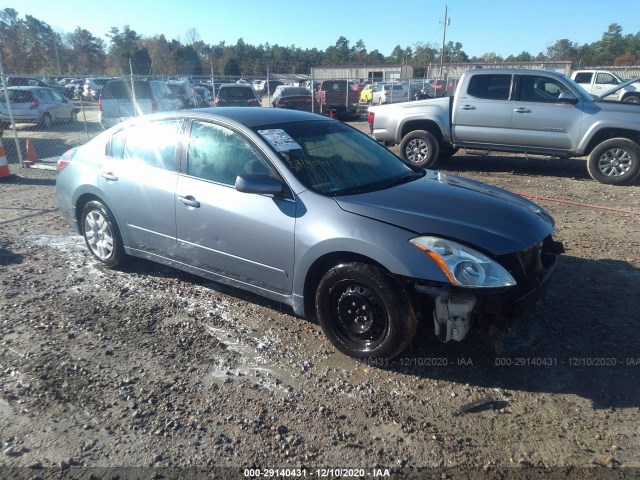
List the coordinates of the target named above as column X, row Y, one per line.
column 219, row 154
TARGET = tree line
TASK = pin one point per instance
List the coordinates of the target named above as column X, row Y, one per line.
column 31, row 46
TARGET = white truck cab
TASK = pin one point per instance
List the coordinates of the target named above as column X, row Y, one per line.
column 597, row 82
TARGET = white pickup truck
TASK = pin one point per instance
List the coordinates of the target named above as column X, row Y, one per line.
column 517, row 110
column 596, row 82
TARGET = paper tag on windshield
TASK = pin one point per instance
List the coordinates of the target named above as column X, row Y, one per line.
column 280, row 140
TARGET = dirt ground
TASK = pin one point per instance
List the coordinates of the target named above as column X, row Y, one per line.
column 167, row 375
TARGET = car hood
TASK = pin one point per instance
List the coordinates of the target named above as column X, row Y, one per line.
column 457, row 208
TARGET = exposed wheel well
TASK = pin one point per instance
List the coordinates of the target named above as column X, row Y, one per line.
column 426, row 125
column 323, row 264
column 80, row 203
column 607, row 133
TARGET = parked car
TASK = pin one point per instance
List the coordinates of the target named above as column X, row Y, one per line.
column 184, row 91
column 162, row 97
column 204, row 96
column 310, row 212
column 294, row 98
column 122, row 99
column 336, row 97
column 17, row 81
column 93, row 87
column 268, row 87
column 74, row 87
column 39, row 105
column 237, row 95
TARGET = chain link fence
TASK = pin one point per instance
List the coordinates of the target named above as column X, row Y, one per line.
column 44, row 118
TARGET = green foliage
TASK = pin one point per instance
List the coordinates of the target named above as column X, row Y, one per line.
column 30, row 46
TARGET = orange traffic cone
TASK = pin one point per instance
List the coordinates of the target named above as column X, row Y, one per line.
column 32, row 156
column 4, row 166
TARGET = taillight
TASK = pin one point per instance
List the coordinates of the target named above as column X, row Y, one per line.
column 370, row 118
column 100, row 104
column 154, row 105
column 66, row 157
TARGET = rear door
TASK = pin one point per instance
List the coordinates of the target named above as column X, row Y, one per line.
column 138, row 178
column 482, row 114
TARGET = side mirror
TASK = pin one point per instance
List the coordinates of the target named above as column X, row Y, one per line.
column 259, row 183
column 568, row 97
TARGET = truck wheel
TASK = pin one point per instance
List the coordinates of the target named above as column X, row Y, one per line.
column 363, row 313
column 632, row 98
column 419, row 148
column 615, row 161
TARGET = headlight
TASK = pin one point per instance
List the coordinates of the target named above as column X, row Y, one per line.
column 464, row 266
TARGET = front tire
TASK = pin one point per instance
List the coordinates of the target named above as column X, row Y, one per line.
column 101, row 234
column 615, row 161
column 363, row 313
column 419, row 148
column 633, row 98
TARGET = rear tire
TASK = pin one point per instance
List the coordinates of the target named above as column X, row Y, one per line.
column 101, row 234
column 363, row 312
column 419, row 148
column 45, row 122
column 615, row 161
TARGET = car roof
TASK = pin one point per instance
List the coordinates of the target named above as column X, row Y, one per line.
column 29, row 87
column 247, row 116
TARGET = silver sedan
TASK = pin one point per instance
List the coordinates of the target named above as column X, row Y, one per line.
column 312, row 213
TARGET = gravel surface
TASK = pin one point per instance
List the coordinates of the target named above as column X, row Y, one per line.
column 149, row 368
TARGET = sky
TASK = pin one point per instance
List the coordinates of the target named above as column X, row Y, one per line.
column 504, row 27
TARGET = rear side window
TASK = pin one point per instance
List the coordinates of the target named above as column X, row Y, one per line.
column 583, row 77
column 492, row 87
column 122, row 90
column 153, row 143
column 20, row 96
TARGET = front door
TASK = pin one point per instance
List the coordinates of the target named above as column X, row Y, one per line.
column 241, row 237
column 539, row 119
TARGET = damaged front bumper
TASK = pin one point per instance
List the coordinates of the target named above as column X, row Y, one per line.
column 455, row 310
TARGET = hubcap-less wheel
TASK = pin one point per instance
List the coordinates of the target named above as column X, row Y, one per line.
column 359, row 313
column 364, row 312
column 98, row 235
column 615, row 162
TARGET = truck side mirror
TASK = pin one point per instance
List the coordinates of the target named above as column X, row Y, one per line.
column 568, row 97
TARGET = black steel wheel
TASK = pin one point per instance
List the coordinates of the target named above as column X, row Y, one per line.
column 363, row 313
column 419, row 148
column 101, row 234
column 615, row 161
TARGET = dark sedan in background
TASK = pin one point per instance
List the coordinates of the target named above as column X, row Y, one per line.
column 310, row 212
column 293, row 98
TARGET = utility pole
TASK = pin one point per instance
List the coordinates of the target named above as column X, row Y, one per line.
column 444, row 35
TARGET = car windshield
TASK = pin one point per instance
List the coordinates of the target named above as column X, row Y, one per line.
column 334, row 159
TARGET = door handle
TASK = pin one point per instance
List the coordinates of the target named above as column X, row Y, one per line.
column 522, row 110
column 189, row 201
column 109, row 176
column 468, row 107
